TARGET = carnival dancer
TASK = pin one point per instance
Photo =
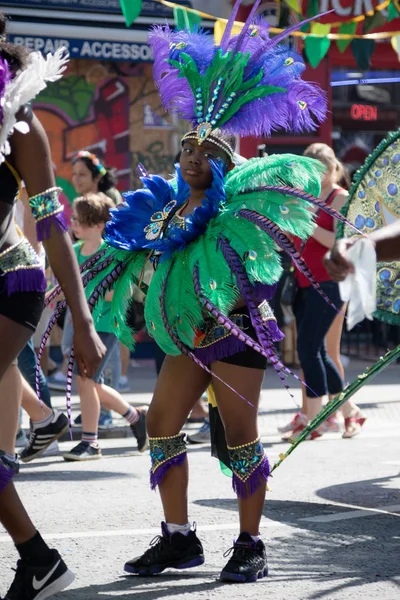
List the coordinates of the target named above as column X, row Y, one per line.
column 25, row 154
column 211, row 236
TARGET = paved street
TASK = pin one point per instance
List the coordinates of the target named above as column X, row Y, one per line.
column 331, row 521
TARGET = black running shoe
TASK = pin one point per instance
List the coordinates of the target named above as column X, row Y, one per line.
column 83, row 451
column 10, row 465
column 42, row 437
column 168, row 551
column 38, row 583
column 140, row 432
column 248, row 561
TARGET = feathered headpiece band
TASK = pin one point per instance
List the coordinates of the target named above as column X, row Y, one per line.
column 249, row 85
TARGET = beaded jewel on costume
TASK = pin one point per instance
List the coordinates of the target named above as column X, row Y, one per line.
column 165, row 452
column 47, row 210
column 21, row 268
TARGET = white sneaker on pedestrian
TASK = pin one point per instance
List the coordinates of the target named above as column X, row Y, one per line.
column 123, row 385
column 203, row 435
column 52, row 450
column 58, row 381
column 298, row 419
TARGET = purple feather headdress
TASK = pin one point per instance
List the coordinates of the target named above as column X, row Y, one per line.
column 248, row 85
column 5, row 77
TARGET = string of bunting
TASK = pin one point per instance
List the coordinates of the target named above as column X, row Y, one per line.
column 133, row 7
column 296, row 6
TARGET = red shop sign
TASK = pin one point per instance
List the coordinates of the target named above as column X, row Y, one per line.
column 364, row 112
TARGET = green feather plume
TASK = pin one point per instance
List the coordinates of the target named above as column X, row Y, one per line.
column 257, row 250
column 124, row 289
column 216, row 279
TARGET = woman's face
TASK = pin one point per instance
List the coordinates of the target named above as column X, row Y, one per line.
column 195, row 163
column 83, row 180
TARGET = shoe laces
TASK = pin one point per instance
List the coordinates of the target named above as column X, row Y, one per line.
column 240, row 551
column 17, row 586
column 156, row 545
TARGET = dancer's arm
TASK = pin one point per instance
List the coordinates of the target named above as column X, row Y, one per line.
column 32, row 159
column 387, row 245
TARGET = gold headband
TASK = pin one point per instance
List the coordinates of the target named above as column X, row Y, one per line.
column 211, row 136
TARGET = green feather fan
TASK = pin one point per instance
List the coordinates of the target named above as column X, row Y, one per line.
column 125, row 289
column 183, row 310
column 216, row 279
column 257, row 250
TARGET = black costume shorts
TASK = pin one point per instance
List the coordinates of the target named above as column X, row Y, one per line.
column 24, row 308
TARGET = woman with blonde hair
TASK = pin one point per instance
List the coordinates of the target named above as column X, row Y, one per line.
column 321, row 366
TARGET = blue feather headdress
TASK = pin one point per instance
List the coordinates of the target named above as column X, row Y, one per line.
column 249, row 85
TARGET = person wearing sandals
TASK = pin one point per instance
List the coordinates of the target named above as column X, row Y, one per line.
column 323, row 374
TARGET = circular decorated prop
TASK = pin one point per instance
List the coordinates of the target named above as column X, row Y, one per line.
column 374, row 202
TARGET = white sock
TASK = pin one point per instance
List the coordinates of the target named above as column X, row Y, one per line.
column 256, row 538
column 174, row 528
column 43, row 422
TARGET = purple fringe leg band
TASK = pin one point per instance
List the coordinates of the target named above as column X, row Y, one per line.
column 158, row 475
column 244, row 489
column 5, row 476
column 43, row 227
column 25, row 280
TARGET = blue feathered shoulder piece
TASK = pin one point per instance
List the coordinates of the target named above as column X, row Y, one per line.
column 138, row 222
column 145, row 219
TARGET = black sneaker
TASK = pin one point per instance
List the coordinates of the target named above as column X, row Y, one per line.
column 43, row 437
column 168, row 551
column 83, row 451
column 10, row 465
column 248, row 561
column 140, row 432
column 38, row 583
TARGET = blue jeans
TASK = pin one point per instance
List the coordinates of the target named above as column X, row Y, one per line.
column 27, row 361
column 109, row 371
column 314, row 316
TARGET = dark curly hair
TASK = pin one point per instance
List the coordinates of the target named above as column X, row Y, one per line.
column 16, row 56
column 107, row 181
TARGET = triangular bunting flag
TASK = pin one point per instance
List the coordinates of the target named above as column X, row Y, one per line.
column 373, row 22
column 294, row 5
column 348, row 29
column 317, row 47
column 395, row 41
column 131, row 9
column 393, row 10
column 186, row 19
column 363, row 50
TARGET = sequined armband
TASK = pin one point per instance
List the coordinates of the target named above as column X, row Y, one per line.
column 47, row 211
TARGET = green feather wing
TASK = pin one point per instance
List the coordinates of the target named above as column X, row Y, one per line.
column 124, row 290
column 216, row 279
column 256, row 249
column 183, row 310
column 291, row 215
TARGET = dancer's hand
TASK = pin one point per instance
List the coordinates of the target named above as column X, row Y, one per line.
column 337, row 262
column 89, row 349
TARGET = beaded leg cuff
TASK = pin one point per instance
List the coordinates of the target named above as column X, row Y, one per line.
column 165, row 452
column 21, row 268
column 250, row 467
column 7, row 470
column 47, row 211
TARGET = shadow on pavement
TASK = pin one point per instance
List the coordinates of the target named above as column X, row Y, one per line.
column 340, row 555
column 158, row 586
column 63, row 475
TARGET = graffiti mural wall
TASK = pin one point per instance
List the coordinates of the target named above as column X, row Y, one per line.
column 113, row 110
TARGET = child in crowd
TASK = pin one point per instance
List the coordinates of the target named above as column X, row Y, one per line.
column 89, row 216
